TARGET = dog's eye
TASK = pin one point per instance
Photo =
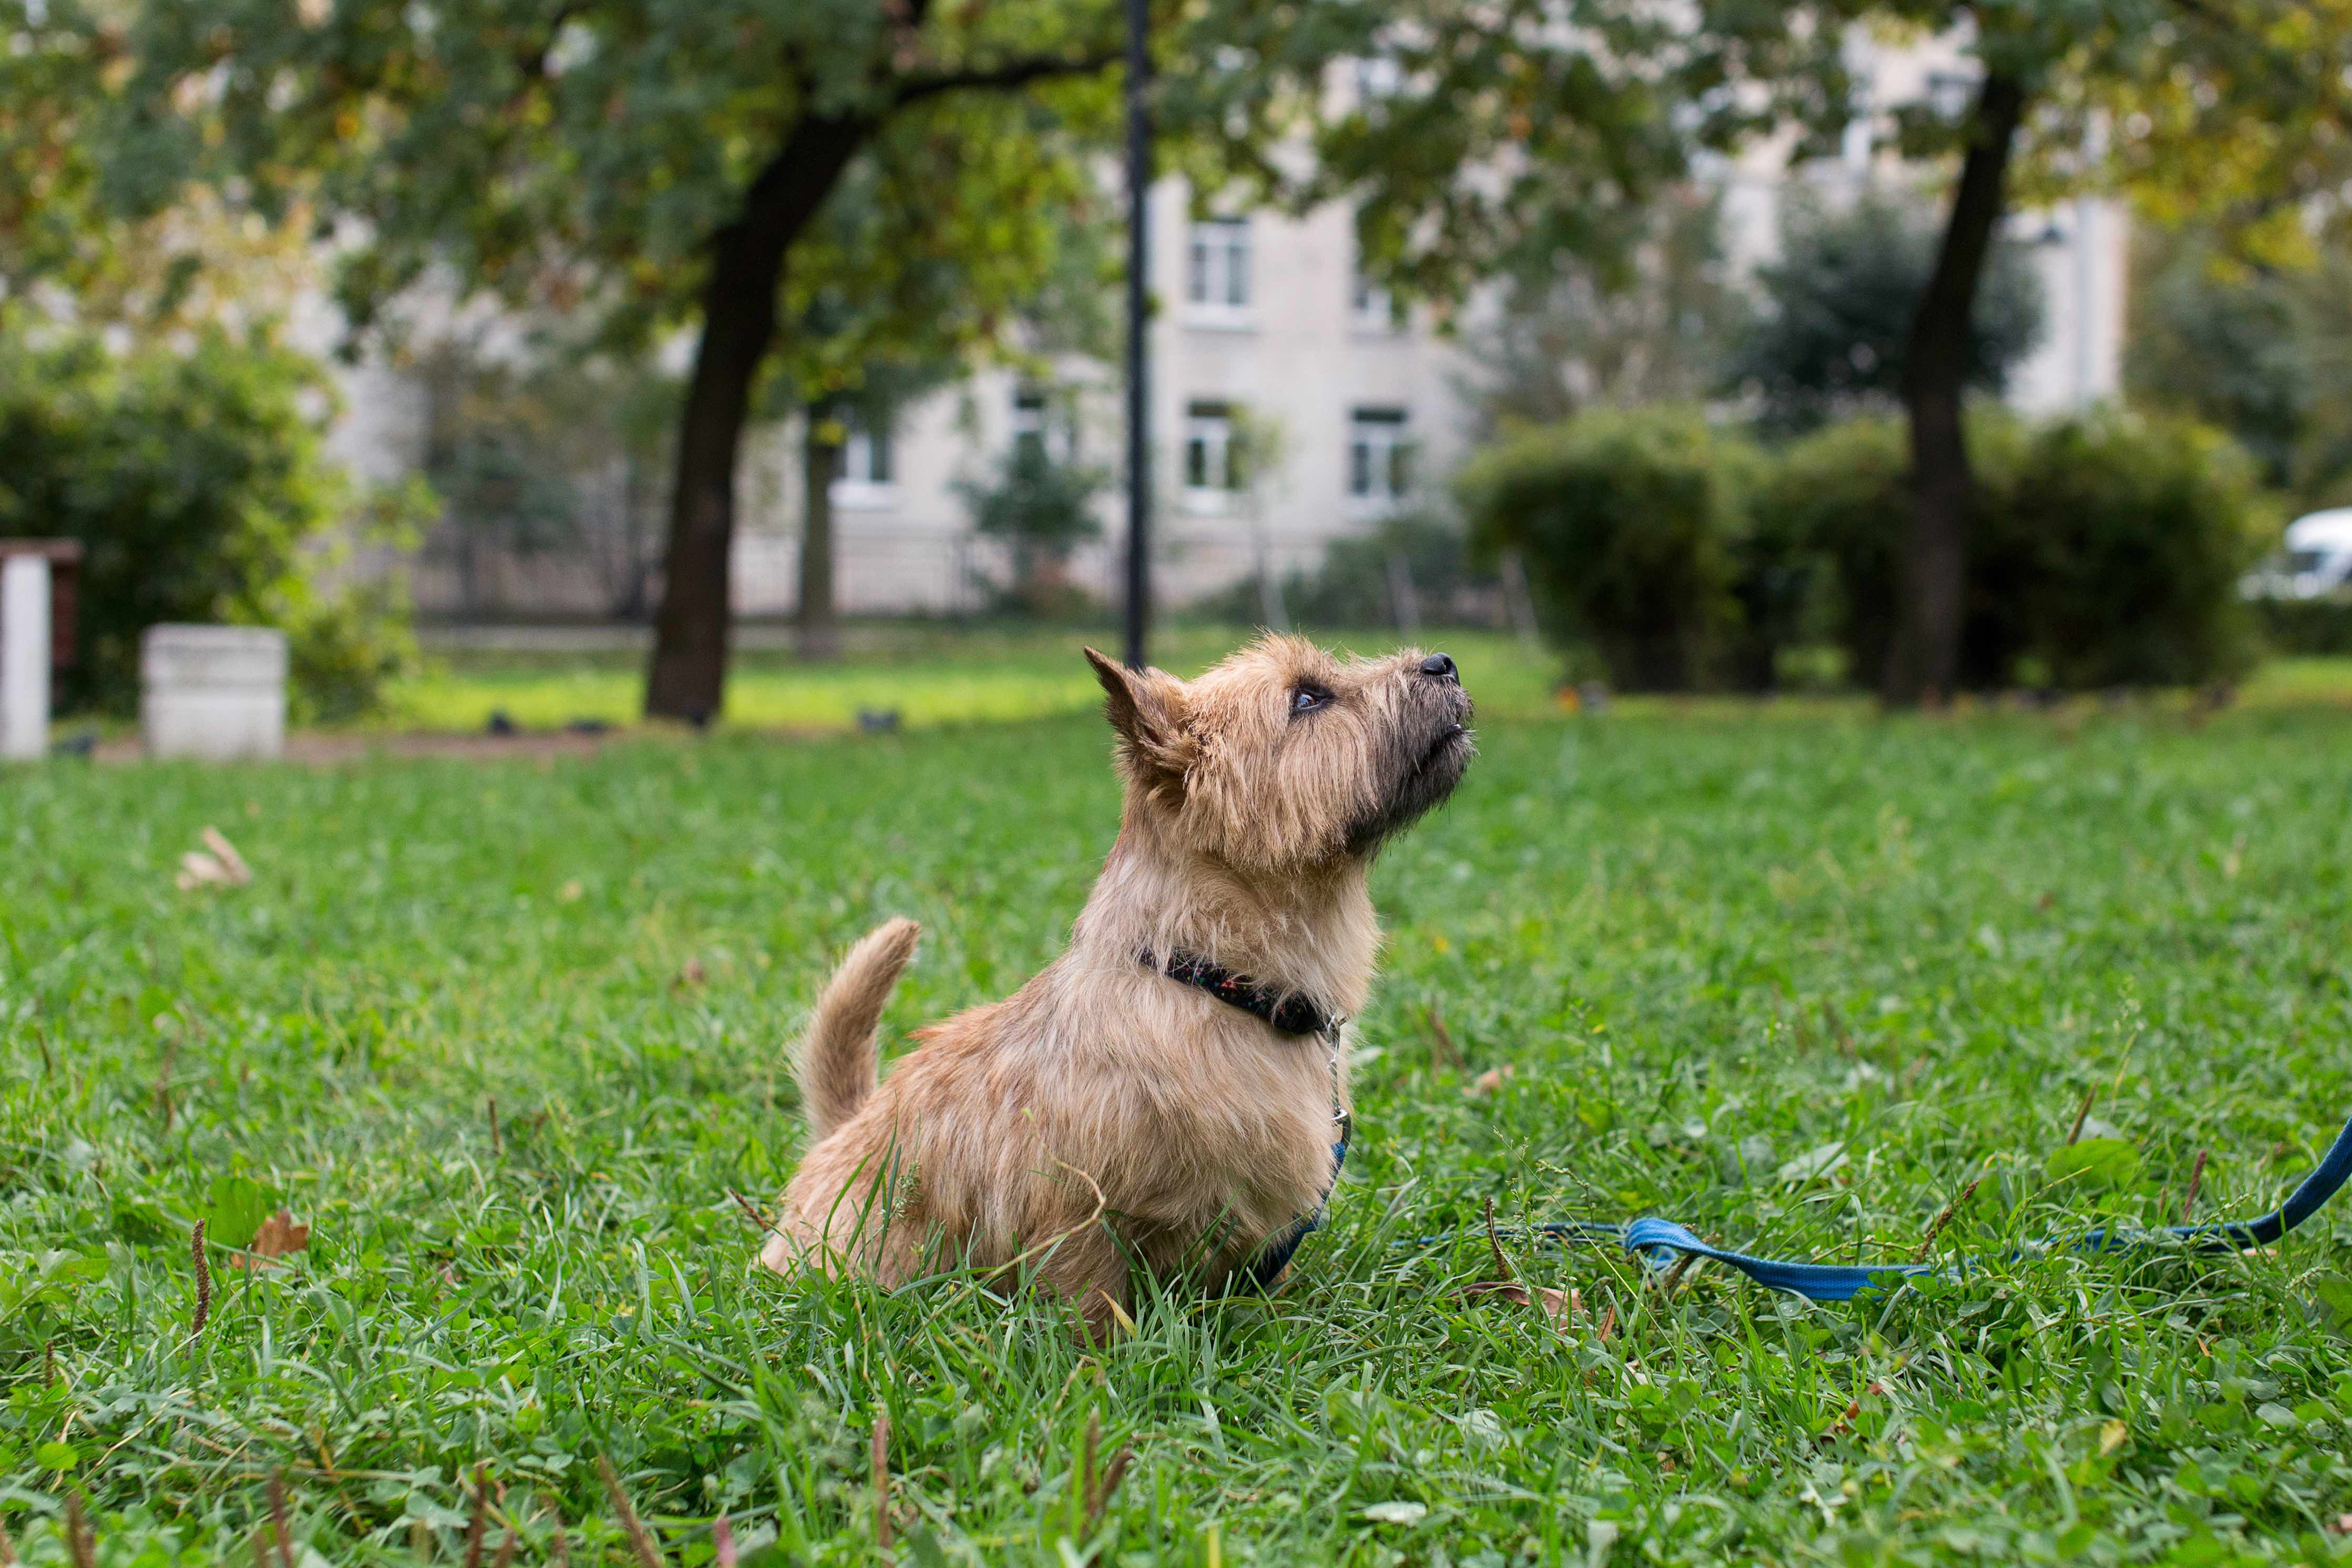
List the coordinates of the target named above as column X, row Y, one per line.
column 1306, row 699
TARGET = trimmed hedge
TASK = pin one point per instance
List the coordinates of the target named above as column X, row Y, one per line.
column 2307, row 627
column 2106, row 549
column 1633, row 525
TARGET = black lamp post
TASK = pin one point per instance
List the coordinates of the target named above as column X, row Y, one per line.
column 1138, row 364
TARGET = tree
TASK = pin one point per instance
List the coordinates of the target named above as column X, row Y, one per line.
column 654, row 165
column 2263, row 352
column 1503, row 132
column 879, row 314
column 1839, row 307
column 545, row 446
column 2237, row 110
column 1566, row 336
column 1042, row 505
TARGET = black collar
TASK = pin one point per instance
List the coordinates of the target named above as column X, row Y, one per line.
column 1287, row 1011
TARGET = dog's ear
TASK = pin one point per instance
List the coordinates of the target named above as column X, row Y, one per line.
column 1147, row 708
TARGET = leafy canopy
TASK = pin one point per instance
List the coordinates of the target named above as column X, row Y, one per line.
column 582, row 157
column 1840, row 302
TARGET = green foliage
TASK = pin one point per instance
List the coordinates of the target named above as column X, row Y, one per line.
column 551, row 447
column 1353, row 586
column 1838, row 503
column 2106, row 550
column 196, row 485
column 2266, row 354
column 1631, row 524
column 1574, row 333
column 2124, row 541
column 2306, row 625
column 581, row 161
column 53, row 82
column 1834, row 333
column 1044, row 508
column 1708, row 945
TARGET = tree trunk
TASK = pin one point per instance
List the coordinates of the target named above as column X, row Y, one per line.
column 687, row 676
column 1924, row 663
column 818, row 632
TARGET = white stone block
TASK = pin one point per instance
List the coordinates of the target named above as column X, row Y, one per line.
column 215, row 692
column 24, row 657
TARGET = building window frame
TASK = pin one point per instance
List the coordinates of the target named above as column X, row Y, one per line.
column 1380, row 458
column 867, row 477
column 1039, row 417
column 1219, row 273
column 1209, row 475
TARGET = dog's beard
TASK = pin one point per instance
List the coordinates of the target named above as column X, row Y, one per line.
column 1428, row 759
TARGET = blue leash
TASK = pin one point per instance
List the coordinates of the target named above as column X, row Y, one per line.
column 1662, row 1244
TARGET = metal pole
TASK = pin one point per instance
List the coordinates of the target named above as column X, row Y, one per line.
column 1138, row 364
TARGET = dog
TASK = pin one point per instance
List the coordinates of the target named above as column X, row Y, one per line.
column 1170, row 1093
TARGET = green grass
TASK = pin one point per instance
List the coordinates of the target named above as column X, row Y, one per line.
column 931, row 676
column 936, row 673
column 1709, row 944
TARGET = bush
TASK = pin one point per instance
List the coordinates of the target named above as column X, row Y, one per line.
column 2307, row 627
column 1044, row 508
column 1633, row 527
column 1838, row 509
column 2127, row 537
column 1351, row 587
column 196, row 485
column 1839, row 303
column 2104, row 551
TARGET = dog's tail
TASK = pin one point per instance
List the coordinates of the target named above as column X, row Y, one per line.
column 835, row 1062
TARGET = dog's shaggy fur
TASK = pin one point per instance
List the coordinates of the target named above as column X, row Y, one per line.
column 1105, row 1105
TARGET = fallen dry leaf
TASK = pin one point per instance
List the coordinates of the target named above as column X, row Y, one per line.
column 277, row 1237
column 692, row 975
column 217, row 842
column 217, row 864
column 1487, row 1082
column 1844, row 1422
column 1559, row 1306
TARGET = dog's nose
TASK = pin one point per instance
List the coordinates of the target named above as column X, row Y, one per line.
column 1441, row 665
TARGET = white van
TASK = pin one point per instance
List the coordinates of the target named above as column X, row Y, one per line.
column 2317, row 560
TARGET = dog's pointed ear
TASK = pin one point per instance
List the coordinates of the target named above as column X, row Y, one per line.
column 1147, row 708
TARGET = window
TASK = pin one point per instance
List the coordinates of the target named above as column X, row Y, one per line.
column 1950, row 94
column 1217, row 280
column 1208, row 455
column 1371, row 306
column 1380, row 457
column 1036, row 427
column 864, row 477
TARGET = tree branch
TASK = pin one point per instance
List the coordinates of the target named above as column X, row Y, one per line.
column 1012, row 74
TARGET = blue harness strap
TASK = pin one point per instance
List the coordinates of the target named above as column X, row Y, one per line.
column 1662, row 1244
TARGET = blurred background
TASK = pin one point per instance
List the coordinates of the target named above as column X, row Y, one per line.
column 534, row 366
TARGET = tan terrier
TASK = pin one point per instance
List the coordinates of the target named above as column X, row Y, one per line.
column 1173, row 1089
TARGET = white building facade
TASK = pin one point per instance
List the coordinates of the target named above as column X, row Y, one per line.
column 1290, row 406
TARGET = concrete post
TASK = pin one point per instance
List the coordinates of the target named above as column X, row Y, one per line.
column 215, row 692
column 24, row 657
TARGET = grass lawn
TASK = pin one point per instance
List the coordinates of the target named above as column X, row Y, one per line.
column 505, row 1037
column 936, row 673
column 932, row 674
